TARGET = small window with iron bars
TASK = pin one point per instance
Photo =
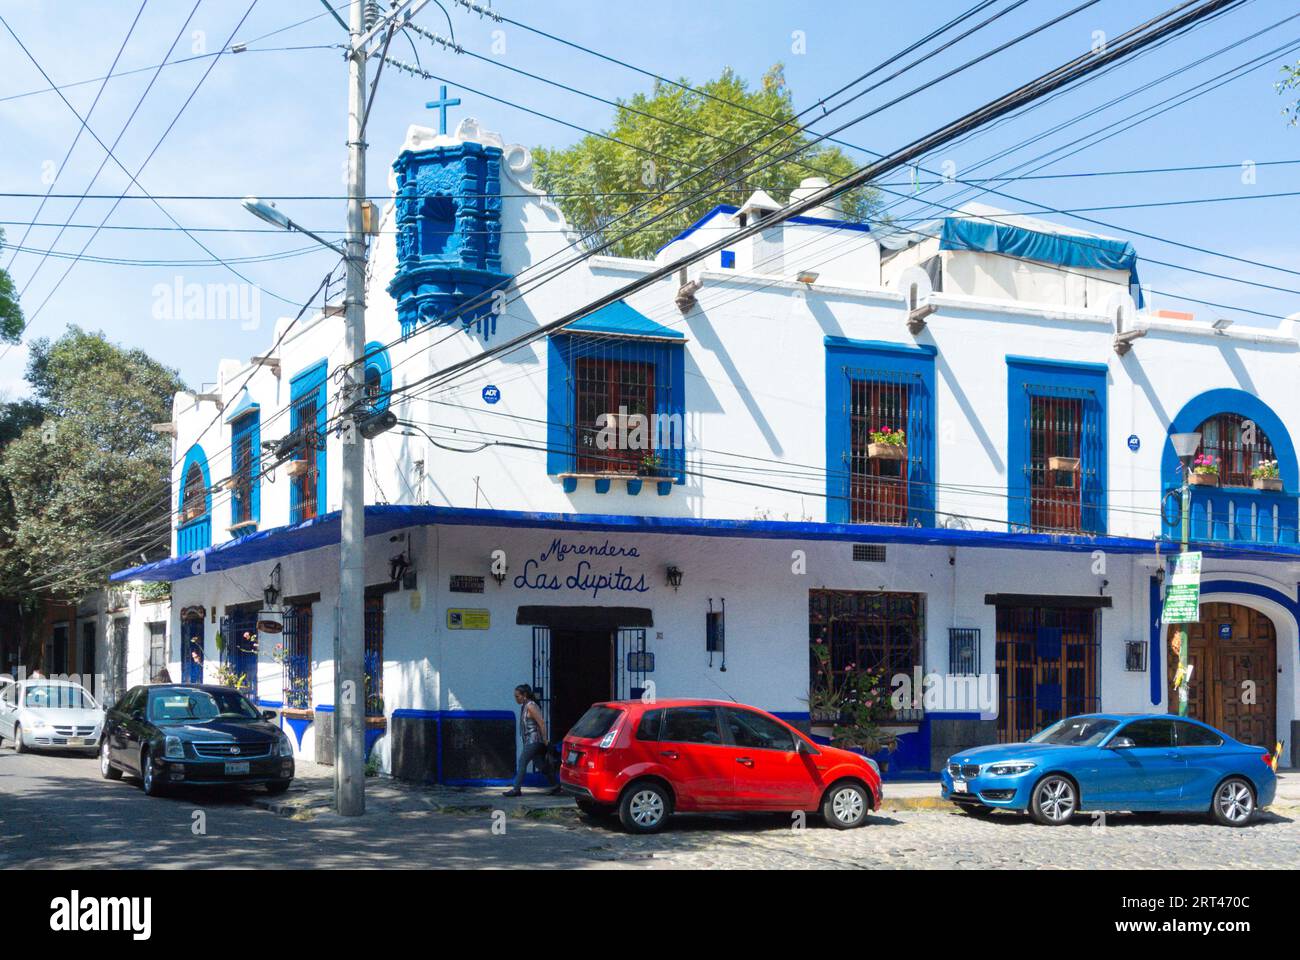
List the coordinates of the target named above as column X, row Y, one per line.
column 879, row 457
column 305, row 466
column 297, row 657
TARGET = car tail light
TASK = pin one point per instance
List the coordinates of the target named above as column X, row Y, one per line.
column 1268, row 760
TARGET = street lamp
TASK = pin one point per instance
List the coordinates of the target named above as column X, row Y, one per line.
column 267, row 211
column 1185, row 446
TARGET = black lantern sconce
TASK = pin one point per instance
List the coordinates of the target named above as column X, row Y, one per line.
column 271, row 592
column 674, row 576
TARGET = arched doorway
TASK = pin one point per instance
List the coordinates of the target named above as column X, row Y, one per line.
column 1231, row 647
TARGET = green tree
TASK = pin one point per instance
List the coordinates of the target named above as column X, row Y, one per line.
column 11, row 314
column 83, row 457
column 1290, row 81
column 675, row 132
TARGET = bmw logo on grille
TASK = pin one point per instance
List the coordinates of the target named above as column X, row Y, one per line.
column 234, row 751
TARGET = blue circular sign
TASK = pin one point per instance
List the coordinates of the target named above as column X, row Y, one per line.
column 1134, row 442
column 491, row 394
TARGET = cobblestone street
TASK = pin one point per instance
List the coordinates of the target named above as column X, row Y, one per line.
column 57, row 812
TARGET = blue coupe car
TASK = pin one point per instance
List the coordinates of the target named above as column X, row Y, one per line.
column 1115, row 762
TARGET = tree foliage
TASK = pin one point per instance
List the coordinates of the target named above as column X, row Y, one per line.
column 667, row 138
column 1290, row 81
column 79, row 455
column 11, row 314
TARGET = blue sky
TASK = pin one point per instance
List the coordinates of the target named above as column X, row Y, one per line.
column 272, row 122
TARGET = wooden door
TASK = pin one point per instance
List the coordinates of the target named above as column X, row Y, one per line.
column 1233, row 652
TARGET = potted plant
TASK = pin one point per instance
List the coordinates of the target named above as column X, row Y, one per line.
column 858, row 700
column 1063, row 463
column 651, row 465
column 1265, row 476
column 887, row 444
column 1205, row 471
column 296, row 468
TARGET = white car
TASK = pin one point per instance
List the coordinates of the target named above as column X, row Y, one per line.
column 49, row 715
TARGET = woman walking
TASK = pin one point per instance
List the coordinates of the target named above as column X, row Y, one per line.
column 533, row 741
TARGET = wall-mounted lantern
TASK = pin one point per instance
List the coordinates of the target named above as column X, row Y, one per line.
column 674, row 576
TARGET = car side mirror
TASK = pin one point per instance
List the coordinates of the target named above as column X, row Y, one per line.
column 1121, row 743
column 268, row 715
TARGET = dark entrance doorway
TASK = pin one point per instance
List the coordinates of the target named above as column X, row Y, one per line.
column 1047, row 667
column 582, row 673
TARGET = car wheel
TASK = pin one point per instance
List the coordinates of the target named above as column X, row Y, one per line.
column 18, row 739
column 846, row 806
column 106, row 768
column 1055, row 800
column 1234, row 803
column 644, row 807
column 148, row 776
column 278, row 787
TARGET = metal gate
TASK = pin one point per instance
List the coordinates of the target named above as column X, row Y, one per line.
column 542, row 671
column 1047, row 667
column 239, row 630
column 297, row 657
column 631, row 663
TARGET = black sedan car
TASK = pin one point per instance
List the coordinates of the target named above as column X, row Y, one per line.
column 177, row 734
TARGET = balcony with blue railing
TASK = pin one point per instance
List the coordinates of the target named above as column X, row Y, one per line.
column 1240, row 515
column 1245, row 479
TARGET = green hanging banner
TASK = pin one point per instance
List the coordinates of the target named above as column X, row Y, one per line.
column 1183, row 595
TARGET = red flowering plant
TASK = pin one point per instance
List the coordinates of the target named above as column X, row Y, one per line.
column 1205, row 464
column 855, row 699
column 889, row 436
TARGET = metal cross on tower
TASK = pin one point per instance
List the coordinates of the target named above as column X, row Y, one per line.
column 441, row 105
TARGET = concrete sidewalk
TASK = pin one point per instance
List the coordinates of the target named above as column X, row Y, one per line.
column 312, row 794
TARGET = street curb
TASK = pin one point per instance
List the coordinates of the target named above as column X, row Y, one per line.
column 310, row 807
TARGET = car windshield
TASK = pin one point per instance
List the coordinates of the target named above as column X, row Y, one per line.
column 58, row 696
column 190, row 706
column 1076, row 731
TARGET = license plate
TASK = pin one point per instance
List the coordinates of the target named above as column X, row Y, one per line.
column 959, row 786
column 238, row 768
column 572, row 758
column 75, row 741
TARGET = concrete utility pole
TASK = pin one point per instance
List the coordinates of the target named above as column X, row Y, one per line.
column 350, row 648
column 349, row 660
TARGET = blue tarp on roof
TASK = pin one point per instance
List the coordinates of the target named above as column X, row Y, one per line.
column 618, row 319
column 1062, row 249
column 324, row 531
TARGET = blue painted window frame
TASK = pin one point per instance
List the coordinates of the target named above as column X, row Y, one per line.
column 669, row 359
column 378, row 363
column 916, row 365
column 249, row 425
column 1209, row 504
column 1029, row 377
column 195, row 534
column 310, row 380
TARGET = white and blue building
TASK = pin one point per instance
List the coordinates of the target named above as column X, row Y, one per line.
column 1020, row 533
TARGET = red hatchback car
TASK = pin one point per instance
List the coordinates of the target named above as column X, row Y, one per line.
column 648, row 760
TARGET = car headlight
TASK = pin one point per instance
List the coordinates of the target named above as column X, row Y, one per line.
column 173, row 749
column 286, row 748
column 1010, row 769
column 874, row 766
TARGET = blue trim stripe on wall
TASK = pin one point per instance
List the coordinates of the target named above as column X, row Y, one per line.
column 916, row 365
column 1155, row 649
column 1029, row 377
